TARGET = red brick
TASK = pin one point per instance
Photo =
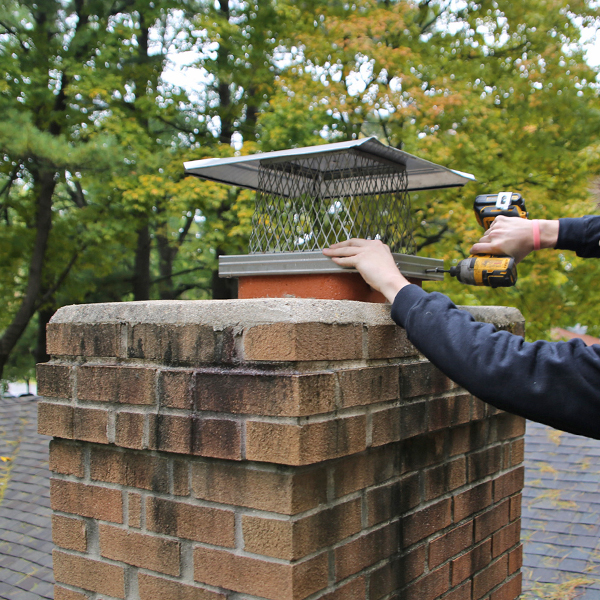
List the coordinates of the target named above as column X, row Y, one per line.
column 130, row 468
column 55, row 419
column 175, row 389
column 157, row 588
column 472, row 501
column 354, row 590
column 450, row 544
column 200, row 523
column 515, row 559
column 397, row 423
column 478, row 410
column 468, row 564
column 423, row 451
column 284, row 491
column 116, row 383
column 462, row 592
column 171, row 433
column 484, row 463
column 66, row 458
column 145, row 551
column 54, row 381
column 509, row 483
column 134, row 510
column 303, row 341
column 83, row 339
column 217, row 438
column 363, row 470
column 490, row 577
column 517, row 452
column 466, row 438
column 492, row 520
column 305, row 444
column 449, row 411
column 508, row 591
column 445, row 478
column 366, row 550
column 91, row 575
column 61, row 593
column 129, row 430
column 396, row 573
column 426, row 521
column 506, row 538
column 388, row 341
column 275, row 581
column 90, row 425
column 359, row 387
column 181, row 477
column 418, row 379
column 293, row 539
column 429, row 587
column 515, row 507
column 172, row 343
column 268, row 393
column 86, row 500
column 69, row 533
column 510, row 426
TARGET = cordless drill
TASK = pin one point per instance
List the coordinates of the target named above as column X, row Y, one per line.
column 487, row 269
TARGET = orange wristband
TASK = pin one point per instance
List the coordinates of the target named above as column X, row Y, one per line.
column 536, row 234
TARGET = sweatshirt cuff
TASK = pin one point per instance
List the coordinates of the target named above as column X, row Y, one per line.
column 571, row 234
column 405, row 299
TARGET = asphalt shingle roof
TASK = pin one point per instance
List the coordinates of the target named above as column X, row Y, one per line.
column 560, row 522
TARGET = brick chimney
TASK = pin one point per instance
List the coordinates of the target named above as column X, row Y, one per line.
column 272, row 449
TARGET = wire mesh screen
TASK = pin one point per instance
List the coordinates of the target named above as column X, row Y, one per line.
column 308, row 203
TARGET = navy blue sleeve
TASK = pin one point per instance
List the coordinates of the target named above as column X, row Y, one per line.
column 580, row 235
column 556, row 383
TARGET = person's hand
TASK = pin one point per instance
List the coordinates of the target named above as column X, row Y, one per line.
column 514, row 237
column 373, row 260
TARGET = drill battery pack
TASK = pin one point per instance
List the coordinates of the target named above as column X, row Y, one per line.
column 489, row 206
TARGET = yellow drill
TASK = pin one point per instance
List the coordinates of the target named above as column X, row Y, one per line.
column 487, row 269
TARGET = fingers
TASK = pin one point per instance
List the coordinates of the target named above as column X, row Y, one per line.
column 344, row 261
column 358, row 242
column 343, row 250
column 482, row 248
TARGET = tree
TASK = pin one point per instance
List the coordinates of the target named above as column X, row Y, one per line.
column 495, row 88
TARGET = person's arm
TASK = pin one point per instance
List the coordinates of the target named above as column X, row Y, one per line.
column 553, row 383
column 556, row 383
column 580, row 235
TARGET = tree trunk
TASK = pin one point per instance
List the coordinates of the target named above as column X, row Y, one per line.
column 43, row 224
column 141, row 270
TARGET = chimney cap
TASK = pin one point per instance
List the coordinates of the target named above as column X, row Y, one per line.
column 243, row 170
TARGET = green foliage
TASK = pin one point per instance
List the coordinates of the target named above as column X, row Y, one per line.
column 92, row 132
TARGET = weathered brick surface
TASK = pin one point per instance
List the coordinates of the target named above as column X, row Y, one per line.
column 100, row 503
column 92, row 575
column 55, row 419
column 134, row 469
column 172, row 344
column 265, row 393
column 275, row 581
column 54, row 380
column 292, row 539
column 66, row 458
column 145, row 551
column 154, row 588
column 286, row 491
column 84, row 339
column 305, row 444
column 303, row 342
column 276, row 461
column 200, row 523
column 62, row 593
column 116, row 383
column 69, row 533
